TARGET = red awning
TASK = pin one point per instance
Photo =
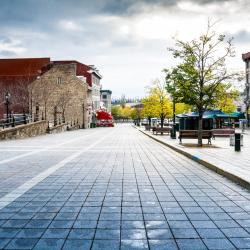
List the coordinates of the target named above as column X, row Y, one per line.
column 102, row 115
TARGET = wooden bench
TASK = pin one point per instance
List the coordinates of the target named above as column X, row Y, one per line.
column 223, row 132
column 193, row 134
column 161, row 130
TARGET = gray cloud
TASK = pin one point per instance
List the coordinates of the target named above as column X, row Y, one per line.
column 7, row 53
column 102, row 32
column 242, row 36
column 25, row 12
column 5, row 40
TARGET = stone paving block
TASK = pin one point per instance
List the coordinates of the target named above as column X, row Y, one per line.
column 61, row 224
column 44, row 216
column 8, row 232
column 241, row 242
column 4, row 242
column 198, row 216
column 218, row 244
column 23, row 215
column 107, row 234
column 133, row 234
column 204, row 224
column 106, row 245
column 111, row 209
column 5, row 216
column 15, row 223
column 55, row 233
column 134, row 210
column 190, row 244
column 210, row 233
column 219, row 216
column 38, row 224
column 107, row 224
column 52, row 244
column 132, row 217
column 80, row 233
column 77, row 244
column 50, row 209
column 235, row 232
column 159, row 234
column 28, row 233
column 226, row 223
column 66, row 216
column 132, row 224
column 134, row 244
column 162, row 245
column 22, row 243
column 180, row 233
column 154, row 216
column 176, row 217
column 180, row 224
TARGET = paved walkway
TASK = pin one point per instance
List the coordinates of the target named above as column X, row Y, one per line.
column 115, row 188
column 221, row 154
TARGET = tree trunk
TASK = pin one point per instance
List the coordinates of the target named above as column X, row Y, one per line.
column 162, row 121
column 200, row 129
column 149, row 121
column 247, row 116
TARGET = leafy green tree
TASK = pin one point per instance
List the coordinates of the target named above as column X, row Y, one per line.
column 201, row 71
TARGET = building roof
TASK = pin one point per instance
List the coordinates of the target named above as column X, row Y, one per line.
column 106, row 91
column 210, row 114
column 82, row 70
column 23, row 66
column 246, row 56
column 27, row 69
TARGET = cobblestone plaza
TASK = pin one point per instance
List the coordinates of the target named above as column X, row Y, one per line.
column 115, row 188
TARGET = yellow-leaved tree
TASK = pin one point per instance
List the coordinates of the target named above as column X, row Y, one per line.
column 158, row 102
column 226, row 98
column 182, row 108
column 149, row 108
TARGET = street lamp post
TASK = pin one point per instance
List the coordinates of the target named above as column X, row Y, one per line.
column 173, row 131
column 7, row 103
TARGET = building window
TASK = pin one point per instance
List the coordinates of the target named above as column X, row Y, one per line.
column 104, row 96
column 59, row 80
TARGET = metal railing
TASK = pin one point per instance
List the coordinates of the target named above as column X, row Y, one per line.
column 15, row 120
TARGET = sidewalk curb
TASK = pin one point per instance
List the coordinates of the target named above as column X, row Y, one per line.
column 236, row 179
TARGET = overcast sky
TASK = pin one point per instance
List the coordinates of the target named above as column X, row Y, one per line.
column 127, row 40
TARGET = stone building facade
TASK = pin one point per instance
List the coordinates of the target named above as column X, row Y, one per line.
column 56, row 91
column 59, row 96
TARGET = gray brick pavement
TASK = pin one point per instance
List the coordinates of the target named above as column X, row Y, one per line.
column 127, row 192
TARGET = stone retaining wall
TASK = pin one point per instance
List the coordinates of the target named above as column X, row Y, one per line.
column 23, row 131
column 57, row 129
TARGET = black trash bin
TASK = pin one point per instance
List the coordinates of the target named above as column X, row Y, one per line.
column 173, row 132
column 237, row 141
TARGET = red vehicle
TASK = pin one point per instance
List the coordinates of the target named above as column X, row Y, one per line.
column 104, row 119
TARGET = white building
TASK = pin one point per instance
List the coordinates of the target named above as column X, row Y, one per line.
column 106, row 99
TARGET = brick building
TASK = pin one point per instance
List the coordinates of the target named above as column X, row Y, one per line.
column 58, row 91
